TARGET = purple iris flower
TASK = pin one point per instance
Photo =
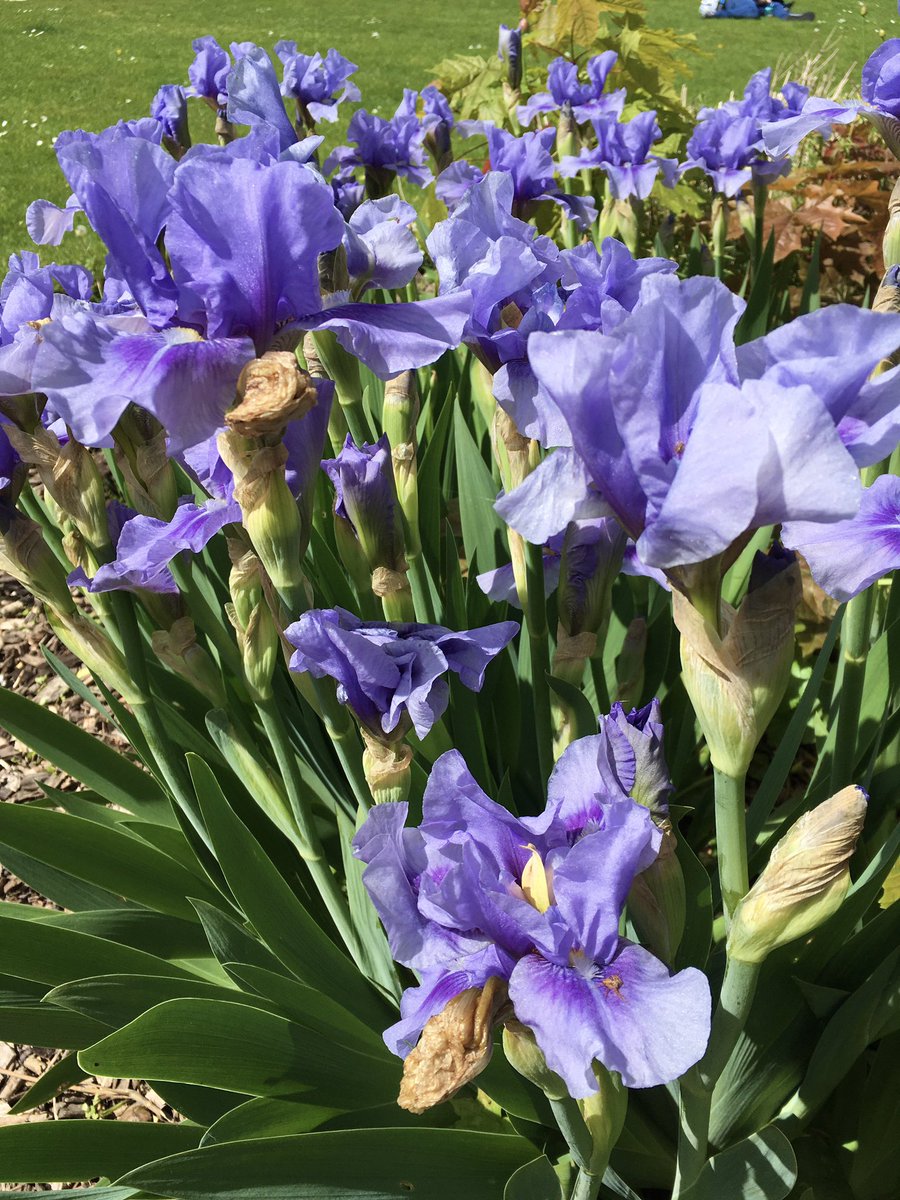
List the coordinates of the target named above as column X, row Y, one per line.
column 880, row 104
column 382, row 251
column 384, row 147
column 691, row 442
column 588, row 100
column 146, row 545
column 728, row 142
column 169, row 107
column 319, row 85
column 475, row 893
column 514, row 277
column 208, row 73
column 27, row 295
column 242, row 240
column 845, row 557
column 390, row 674
column 347, row 191
column 527, row 160
column 725, row 147
column 623, row 152
column 431, row 109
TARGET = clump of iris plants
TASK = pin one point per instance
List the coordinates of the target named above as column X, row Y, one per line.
column 438, row 545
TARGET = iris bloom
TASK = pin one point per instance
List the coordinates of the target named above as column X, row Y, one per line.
column 845, row 557
column 588, row 100
column 521, row 283
column 390, row 674
column 880, row 104
column 623, row 153
column 474, row 893
column 244, row 226
column 319, row 85
column 691, row 441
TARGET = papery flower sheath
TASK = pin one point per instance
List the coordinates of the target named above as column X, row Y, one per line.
column 474, row 893
column 390, row 674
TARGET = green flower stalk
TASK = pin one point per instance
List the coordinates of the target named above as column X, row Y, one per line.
column 252, row 619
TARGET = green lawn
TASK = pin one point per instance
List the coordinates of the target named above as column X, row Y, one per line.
column 85, row 63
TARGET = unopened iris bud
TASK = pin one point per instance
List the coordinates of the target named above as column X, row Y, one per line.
column 736, row 678
column 805, row 880
column 399, row 416
column 454, row 1048
column 525, row 1056
column 386, row 766
column 142, row 457
column 891, row 243
column 509, row 50
column 69, row 474
column 177, row 648
column 719, row 221
column 567, row 132
column 269, row 510
column 657, row 901
column 592, row 554
column 251, row 617
column 88, row 642
column 169, row 106
column 366, row 497
column 604, row 1114
column 25, row 555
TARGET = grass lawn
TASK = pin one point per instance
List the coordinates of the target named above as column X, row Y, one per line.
column 85, row 63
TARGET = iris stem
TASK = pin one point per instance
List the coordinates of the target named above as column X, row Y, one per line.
column 310, row 846
column 536, row 619
column 572, row 1127
column 731, row 840
column 855, row 642
column 170, row 764
column 697, row 1086
column 587, row 1186
column 421, row 593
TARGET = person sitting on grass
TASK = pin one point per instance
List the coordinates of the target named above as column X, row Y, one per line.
column 751, row 10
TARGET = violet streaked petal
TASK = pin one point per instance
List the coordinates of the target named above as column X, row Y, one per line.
column 91, row 371
column 845, row 557
column 592, row 774
column 630, row 1015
